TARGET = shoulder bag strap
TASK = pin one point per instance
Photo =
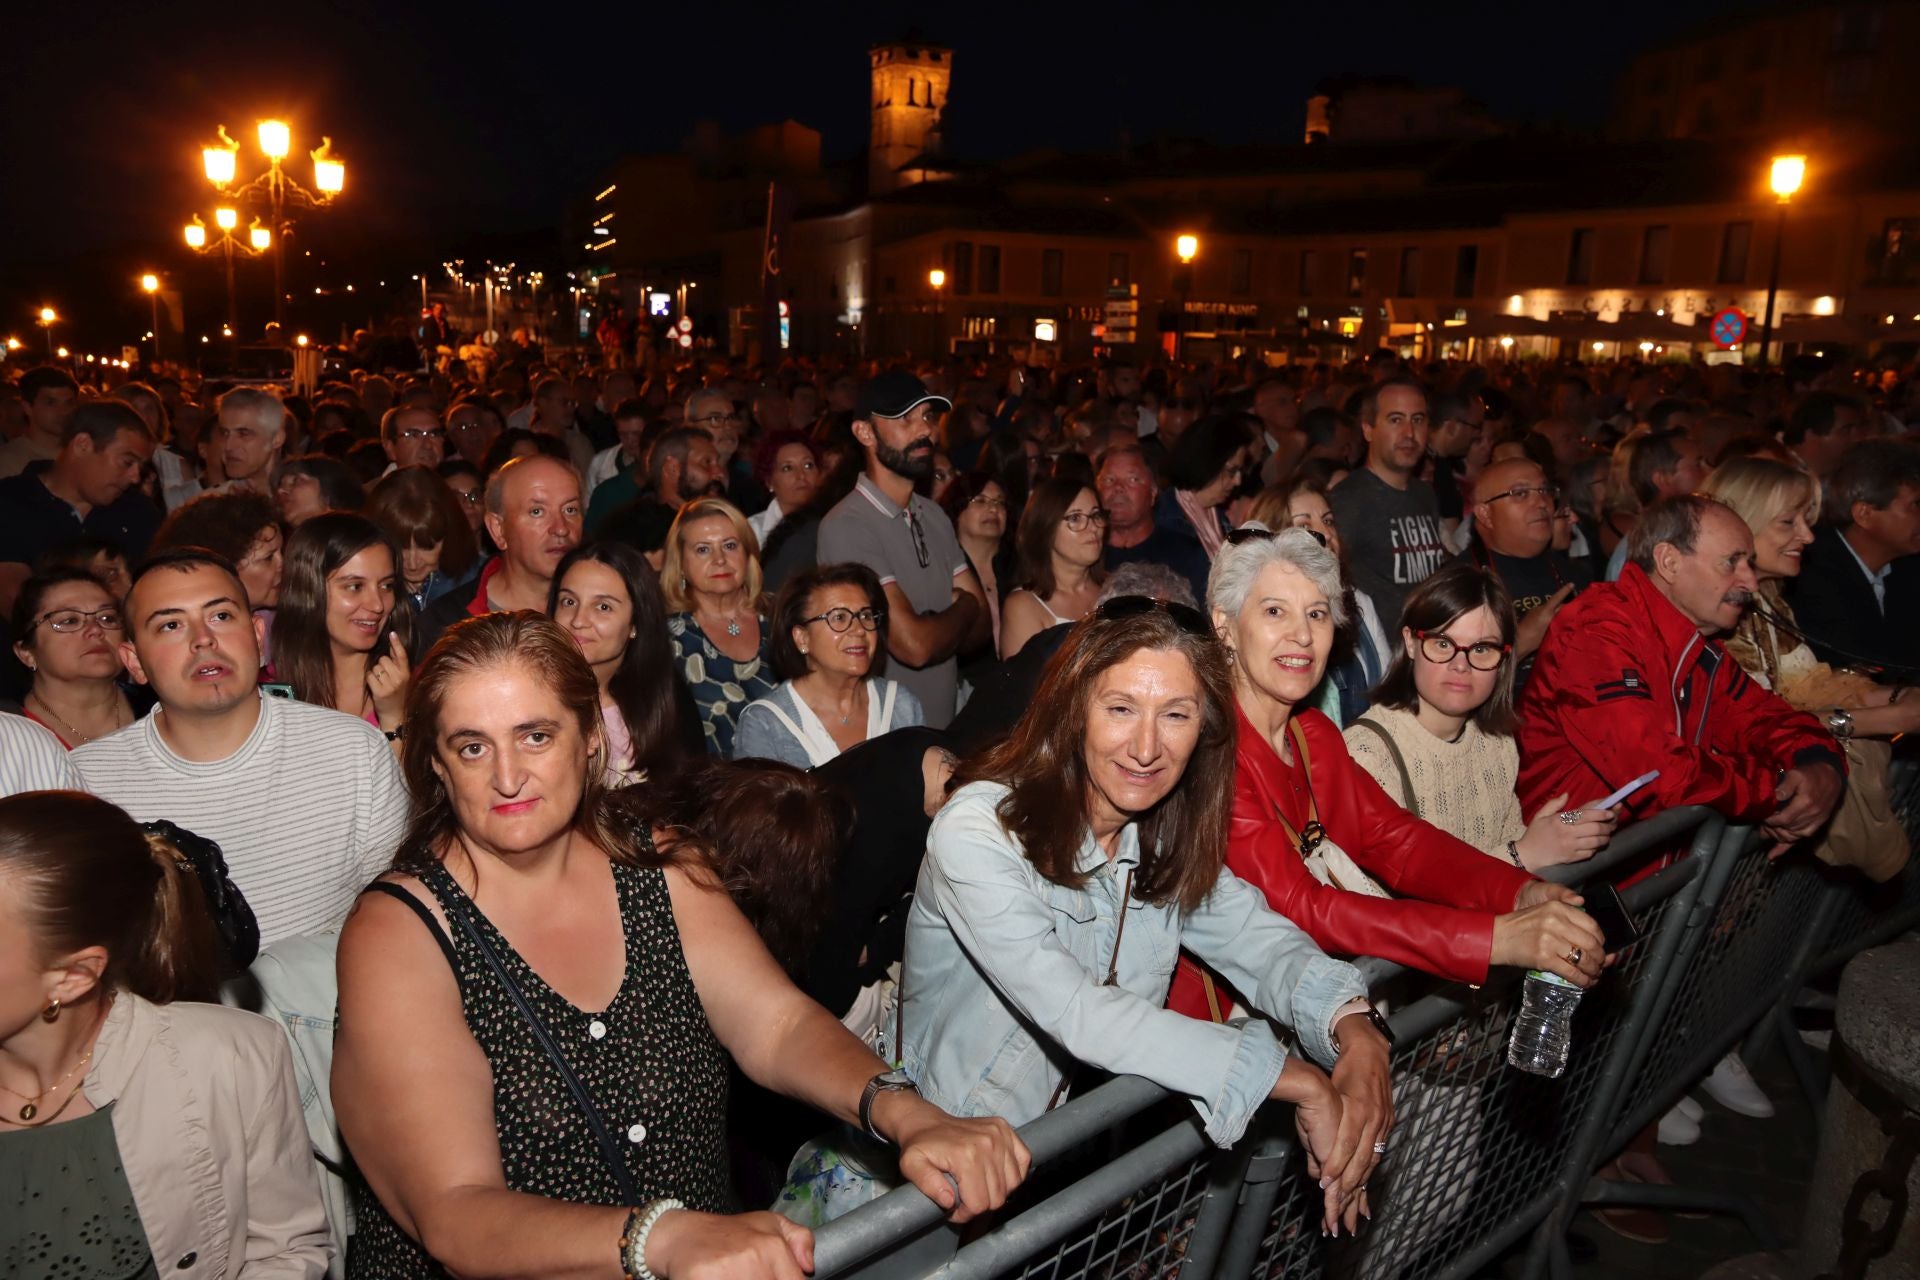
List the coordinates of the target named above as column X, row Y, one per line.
column 463, row 918
column 1410, row 800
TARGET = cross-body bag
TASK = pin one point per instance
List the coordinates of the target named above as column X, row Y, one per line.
column 462, row 917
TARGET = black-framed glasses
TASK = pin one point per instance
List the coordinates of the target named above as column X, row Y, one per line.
column 838, row 620
column 1482, row 655
column 1240, row 537
column 990, row 504
column 711, row 418
column 919, row 539
column 423, row 433
column 1525, row 492
column 1077, row 520
column 67, row 621
column 1185, row 616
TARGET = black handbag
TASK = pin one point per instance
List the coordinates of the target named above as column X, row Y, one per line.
column 232, row 917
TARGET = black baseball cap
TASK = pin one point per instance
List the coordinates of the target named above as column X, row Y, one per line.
column 895, row 394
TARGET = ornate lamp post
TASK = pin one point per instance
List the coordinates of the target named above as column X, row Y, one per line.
column 275, row 188
column 257, row 242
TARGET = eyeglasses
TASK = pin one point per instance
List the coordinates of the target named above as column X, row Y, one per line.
column 67, row 621
column 989, row 504
column 1483, row 656
column 1527, row 492
column 838, row 620
column 423, row 433
column 472, row 497
column 1240, row 537
column 714, row 417
column 1186, row 617
column 919, row 539
column 1078, row 520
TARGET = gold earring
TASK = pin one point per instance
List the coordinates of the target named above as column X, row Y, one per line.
column 52, row 1012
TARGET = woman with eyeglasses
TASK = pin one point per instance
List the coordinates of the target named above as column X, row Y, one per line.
column 829, row 635
column 470, row 491
column 1439, row 736
column 69, row 631
column 1205, row 468
column 977, row 505
column 1314, row 831
column 1061, row 547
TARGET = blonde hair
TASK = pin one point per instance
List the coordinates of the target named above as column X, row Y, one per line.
column 673, row 574
column 1760, row 489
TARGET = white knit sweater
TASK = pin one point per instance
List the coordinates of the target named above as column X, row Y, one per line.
column 1465, row 787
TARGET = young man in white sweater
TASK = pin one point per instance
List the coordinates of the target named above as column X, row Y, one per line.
column 306, row 802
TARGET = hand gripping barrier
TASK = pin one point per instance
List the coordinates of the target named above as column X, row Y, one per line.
column 1126, row 1185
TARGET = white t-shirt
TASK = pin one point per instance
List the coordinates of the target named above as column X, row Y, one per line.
column 308, row 811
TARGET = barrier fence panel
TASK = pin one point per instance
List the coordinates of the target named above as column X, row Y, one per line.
column 1872, row 914
column 1479, row 1153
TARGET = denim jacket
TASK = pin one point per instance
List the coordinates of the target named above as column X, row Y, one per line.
column 1004, row 972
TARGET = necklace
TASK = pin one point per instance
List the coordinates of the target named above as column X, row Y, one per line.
column 77, row 737
column 32, row 1107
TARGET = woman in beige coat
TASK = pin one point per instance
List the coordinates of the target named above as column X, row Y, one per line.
column 140, row 1134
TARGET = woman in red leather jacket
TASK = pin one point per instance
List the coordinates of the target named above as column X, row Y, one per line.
column 1316, row 833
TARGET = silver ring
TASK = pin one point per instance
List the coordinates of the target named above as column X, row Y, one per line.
column 1569, row 817
column 1379, row 1148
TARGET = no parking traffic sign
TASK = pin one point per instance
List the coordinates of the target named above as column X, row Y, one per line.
column 1728, row 327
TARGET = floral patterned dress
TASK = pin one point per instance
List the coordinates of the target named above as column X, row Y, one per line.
column 721, row 686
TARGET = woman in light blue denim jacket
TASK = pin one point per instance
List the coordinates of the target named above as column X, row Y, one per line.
column 1114, row 789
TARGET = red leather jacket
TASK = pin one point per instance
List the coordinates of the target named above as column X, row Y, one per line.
column 1450, row 892
column 1625, row 683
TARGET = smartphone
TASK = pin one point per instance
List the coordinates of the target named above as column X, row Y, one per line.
column 1628, row 790
column 1616, row 923
column 278, row 691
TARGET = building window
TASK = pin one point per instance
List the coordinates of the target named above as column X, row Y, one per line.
column 1053, row 268
column 1735, row 244
column 989, row 268
column 1656, row 245
column 1580, row 256
column 1307, row 267
column 1118, row 270
column 1409, row 273
column 1466, row 270
column 1240, row 281
column 962, row 268
column 1356, row 272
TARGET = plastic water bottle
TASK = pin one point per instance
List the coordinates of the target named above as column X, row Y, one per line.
column 1542, row 1030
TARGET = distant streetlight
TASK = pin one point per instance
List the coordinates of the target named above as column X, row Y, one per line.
column 1186, row 247
column 276, row 189
column 48, row 318
column 150, row 284
column 937, row 278
column 1785, row 177
column 258, row 240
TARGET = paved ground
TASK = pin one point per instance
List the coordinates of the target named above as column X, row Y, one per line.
column 1769, row 1160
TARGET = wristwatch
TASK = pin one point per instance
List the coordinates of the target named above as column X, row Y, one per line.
column 1364, row 1010
column 1840, row 724
column 885, row 1082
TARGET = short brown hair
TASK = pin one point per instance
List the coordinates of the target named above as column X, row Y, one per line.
column 417, row 509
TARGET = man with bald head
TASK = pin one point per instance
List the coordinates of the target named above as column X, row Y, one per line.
column 534, row 513
column 1513, row 506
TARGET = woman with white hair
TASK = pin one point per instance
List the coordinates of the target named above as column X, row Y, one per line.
column 1316, row 833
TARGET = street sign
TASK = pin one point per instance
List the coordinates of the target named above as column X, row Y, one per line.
column 1728, row 328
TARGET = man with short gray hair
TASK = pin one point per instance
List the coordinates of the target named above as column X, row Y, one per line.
column 250, row 431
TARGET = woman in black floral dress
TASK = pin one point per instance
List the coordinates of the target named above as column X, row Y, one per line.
column 477, row 1156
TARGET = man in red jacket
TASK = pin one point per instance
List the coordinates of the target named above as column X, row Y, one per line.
column 1630, row 680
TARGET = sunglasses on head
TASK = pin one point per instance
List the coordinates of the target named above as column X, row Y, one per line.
column 1186, row 617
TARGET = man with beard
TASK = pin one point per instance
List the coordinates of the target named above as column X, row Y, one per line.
column 306, row 803
column 680, row 466
column 935, row 606
column 1388, row 517
column 1630, row 680
column 534, row 515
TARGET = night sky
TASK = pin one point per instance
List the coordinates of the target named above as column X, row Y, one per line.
column 460, row 122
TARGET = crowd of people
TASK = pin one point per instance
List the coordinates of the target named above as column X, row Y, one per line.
column 669, row 810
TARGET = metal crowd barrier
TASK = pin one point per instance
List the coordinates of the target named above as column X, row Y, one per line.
column 1480, row 1156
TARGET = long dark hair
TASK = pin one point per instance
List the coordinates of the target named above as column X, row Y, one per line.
column 315, row 551
column 1183, row 841
column 1051, row 500
column 416, row 508
column 644, row 685
column 86, row 875
column 773, row 834
column 526, row 639
column 1432, row 607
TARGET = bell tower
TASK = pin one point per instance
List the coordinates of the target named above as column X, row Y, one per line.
column 909, row 95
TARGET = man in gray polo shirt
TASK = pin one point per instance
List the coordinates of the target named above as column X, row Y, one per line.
column 935, row 607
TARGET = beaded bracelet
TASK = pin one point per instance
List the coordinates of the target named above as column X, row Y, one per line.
column 633, row 1237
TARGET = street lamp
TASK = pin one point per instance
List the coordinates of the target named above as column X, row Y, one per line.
column 1186, row 247
column 1785, row 177
column 150, row 285
column 258, row 240
column 48, row 318
column 276, row 189
column 938, row 279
